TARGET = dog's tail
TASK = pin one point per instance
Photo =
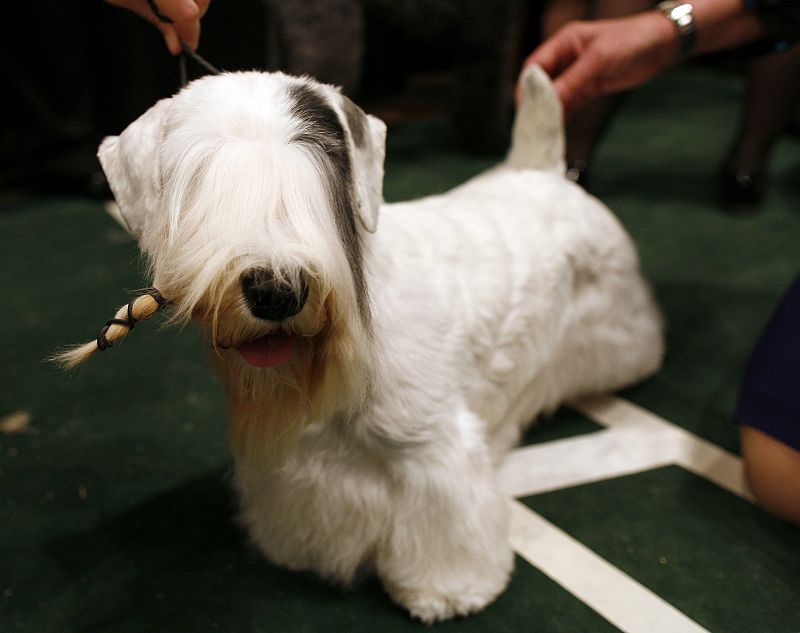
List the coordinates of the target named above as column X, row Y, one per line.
column 142, row 307
column 538, row 135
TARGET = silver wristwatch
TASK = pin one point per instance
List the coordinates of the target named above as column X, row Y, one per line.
column 680, row 13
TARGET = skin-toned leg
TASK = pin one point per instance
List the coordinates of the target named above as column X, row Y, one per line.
column 773, row 93
column 773, row 472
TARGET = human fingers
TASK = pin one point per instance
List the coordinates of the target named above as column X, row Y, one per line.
column 202, row 5
column 185, row 16
column 578, row 84
column 559, row 51
column 171, row 38
column 617, row 55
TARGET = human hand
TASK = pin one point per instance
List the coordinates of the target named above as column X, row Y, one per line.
column 185, row 16
column 589, row 59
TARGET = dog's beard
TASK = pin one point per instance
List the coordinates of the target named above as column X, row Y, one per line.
column 279, row 377
column 325, row 377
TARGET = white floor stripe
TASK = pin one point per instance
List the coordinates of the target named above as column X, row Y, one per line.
column 580, row 460
column 613, row 594
column 661, row 438
column 634, row 441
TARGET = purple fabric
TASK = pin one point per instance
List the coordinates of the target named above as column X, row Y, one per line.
column 769, row 399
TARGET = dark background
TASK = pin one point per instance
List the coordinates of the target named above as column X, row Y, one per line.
column 79, row 70
column 115, row 509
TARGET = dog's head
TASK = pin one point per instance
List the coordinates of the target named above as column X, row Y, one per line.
column 251, row 195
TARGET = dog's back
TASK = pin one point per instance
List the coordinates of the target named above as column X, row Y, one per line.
column 528, row 288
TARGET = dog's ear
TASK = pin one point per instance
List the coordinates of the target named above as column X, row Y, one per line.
column 130, row 162
column 367, row 150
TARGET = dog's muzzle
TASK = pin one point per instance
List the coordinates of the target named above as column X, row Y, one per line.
column 270, row 299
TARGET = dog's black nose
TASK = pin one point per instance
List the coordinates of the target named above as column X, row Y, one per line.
column 269, row 298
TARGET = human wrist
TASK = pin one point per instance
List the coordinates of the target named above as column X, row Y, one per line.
column 664, row 42
column 680, row 15
column 717, row 25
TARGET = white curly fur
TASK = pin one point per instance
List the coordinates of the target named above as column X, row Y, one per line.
column 373, row 448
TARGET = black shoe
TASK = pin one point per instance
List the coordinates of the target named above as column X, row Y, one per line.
column 741, row 190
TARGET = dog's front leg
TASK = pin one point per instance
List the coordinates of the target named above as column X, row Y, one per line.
column 448, row 551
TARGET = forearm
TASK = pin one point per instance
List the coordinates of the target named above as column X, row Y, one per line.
column 591, row 58
column 724, row 24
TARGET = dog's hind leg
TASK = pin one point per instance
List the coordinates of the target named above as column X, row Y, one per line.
column 618, row 341
column 448, row 552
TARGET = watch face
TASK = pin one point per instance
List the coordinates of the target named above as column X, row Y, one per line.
column 680, row 13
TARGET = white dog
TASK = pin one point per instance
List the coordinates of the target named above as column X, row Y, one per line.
column 378, row 370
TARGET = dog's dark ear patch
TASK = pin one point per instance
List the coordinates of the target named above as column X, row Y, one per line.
column 323, row 132
column 310, row 107
column 356, row 121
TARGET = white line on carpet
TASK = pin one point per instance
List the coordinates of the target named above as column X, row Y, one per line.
column 660, row 437
column 610, row 592
column 634, row 441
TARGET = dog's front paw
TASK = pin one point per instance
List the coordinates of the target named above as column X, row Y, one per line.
column 433, row 606
column 435, row 603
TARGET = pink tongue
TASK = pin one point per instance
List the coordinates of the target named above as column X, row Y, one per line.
column 268, row 351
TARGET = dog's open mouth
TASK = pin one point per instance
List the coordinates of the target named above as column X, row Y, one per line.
column 269, row 351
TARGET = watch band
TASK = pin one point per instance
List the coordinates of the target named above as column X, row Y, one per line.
column 680, row 13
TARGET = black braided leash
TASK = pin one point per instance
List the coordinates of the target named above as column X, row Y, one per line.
column 187, row 51
column 130, row 322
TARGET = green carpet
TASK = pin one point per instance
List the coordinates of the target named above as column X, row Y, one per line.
column 115, row 513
